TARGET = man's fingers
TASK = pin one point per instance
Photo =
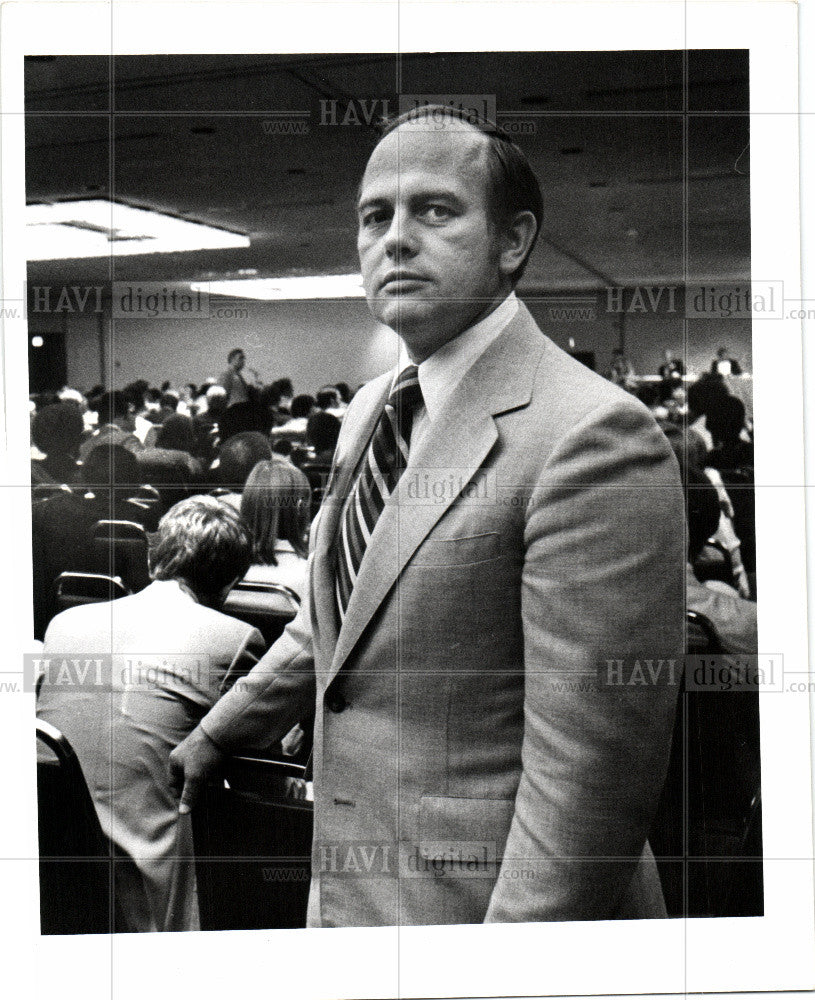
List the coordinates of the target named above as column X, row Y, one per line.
column 192, row 787
column 175, row 771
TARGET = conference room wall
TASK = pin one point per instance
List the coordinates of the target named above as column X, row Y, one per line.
column 312, row 342
column 319, row 341
column 647, row 335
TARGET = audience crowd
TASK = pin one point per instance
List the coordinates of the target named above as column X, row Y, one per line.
column 213, row 488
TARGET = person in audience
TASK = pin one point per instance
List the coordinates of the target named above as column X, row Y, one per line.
column 295, row 427
column 275, row 505
column 206, row 423
column 283, row 449
column 726, row 424
column 286, row 390
column 117, row 423
column 443, row 635
column 168, row 407
column 649, row 394
column 170, row 654
column 622, row 371
column 57, row 431
column 236, row 459
column 322, row 433
column 68, row 395
column 733, row 617
column 672, row 368
column 78, row 399
column 723, row 364
column 703, row 397
column 187, row 402
column 344, row 391
column 149, row 413
column 170, row 465
column 692, row 454
column 61, row 525
column 328, row 400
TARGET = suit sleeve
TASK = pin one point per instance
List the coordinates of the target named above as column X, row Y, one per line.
column 248, row 655
column 602, row 580
column 276, row 693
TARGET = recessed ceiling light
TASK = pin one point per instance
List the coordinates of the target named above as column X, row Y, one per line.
column 71, row 230
column 318, row 286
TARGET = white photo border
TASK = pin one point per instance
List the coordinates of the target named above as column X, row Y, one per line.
column 774, row 952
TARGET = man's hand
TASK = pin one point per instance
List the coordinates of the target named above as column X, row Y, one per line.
column 191, row 763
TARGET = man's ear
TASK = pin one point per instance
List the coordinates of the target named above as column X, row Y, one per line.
column 516, row 239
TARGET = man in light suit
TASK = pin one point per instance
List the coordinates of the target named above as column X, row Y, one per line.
column 166, row 656
column 487, row 539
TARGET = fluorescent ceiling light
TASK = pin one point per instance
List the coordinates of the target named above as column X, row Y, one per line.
column 318, row 286
column 68, row 230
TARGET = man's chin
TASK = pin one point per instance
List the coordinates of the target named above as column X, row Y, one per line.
column 402, row 313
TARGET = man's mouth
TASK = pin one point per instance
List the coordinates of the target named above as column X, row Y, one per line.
column 400, row 282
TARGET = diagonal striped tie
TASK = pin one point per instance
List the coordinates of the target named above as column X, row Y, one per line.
column 384, row 464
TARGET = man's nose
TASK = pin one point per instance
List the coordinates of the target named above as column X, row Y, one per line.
column 400, row 239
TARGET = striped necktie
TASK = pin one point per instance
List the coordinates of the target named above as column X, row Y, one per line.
column 384, row 464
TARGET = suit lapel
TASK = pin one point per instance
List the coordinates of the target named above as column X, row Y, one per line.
column 459, row 440
column 340, row 481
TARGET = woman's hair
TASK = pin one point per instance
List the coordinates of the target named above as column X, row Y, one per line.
column 177, row 433
column 204, row 543
column 57, row 429
column 276, row 503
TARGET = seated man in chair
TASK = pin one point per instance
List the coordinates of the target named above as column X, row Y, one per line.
column 160, row 659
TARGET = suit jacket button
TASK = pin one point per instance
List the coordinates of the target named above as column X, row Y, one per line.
column 336, row 703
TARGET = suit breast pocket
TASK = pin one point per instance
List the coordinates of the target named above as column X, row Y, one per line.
column 466, row 550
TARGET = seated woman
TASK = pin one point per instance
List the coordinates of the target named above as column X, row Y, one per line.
column 170, row 654
column 734, row 618
column 57, row 431
column 169, row 464
column 275, row 505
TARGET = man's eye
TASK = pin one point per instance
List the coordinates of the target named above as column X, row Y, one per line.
column 374, row 217
column 438, row 213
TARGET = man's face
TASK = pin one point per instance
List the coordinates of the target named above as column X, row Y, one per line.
column 428, row 248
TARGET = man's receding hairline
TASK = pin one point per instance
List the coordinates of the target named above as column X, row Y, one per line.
column 451, row 120
column 483, row 148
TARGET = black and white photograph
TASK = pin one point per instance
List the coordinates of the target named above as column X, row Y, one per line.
column 405, row 446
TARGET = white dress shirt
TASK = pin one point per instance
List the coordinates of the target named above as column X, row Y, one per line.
column 443, row 370
column 441, row 373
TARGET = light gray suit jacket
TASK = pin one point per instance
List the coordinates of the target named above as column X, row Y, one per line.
column 164, row 662
column 466, row 767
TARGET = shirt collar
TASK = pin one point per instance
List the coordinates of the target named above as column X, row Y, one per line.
column 442, row 371
column 163, row 589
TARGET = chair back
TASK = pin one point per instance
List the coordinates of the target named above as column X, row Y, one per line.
column 269, row 607
column 44, row 491
column 121, row 550
column 148, row 501
column 706, row 835
column 73, row 589
column 75, row 856
column 317, row 474
column 252, row 834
